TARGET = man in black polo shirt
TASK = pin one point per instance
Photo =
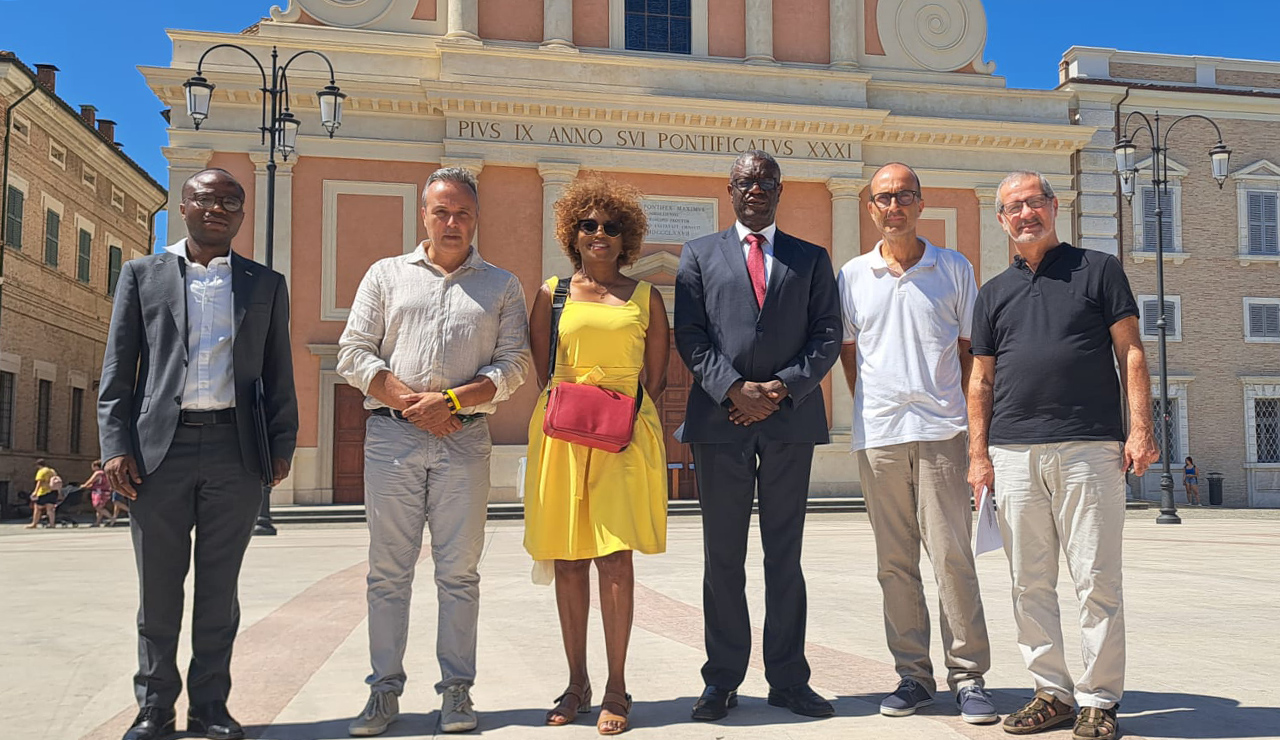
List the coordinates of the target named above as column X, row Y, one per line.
column 1045, row 423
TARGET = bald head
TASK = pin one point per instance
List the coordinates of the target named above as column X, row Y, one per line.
column 211, row 175
column 898, row 168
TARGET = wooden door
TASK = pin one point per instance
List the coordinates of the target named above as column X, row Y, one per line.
column 671, row 407
column 348, row 445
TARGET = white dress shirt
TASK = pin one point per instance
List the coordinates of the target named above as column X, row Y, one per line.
column 768, row 233
column 210, row 332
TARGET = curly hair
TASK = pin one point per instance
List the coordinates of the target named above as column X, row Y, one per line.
column 619, row 200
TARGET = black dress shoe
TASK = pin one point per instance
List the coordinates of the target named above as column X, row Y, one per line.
column 714, row 704
column 214, row 722
column 802, row 700
column 152, row 723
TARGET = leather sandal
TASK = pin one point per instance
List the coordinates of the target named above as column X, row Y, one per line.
column 574, row 701
column 619, row 702
column 1095, row 723
column 1041, row 713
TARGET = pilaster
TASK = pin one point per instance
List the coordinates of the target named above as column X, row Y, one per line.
column 759, row 31
column 464, row 21
column 846, row 230
column 183, row 163
column 282, row 249
column 557, row 25
column 556, row 176
column 846, row 31
column 994, row 249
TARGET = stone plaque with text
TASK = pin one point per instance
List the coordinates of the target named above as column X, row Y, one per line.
column 676, row 221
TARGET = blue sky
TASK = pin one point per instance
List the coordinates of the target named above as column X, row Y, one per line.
column 99, row 44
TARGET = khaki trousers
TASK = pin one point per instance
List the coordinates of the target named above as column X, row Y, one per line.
column 916, row 494
column 1067, row 496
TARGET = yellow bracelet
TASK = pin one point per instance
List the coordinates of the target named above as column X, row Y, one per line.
column 453, row 398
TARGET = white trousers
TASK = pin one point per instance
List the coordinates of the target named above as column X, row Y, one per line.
column 1067, row 496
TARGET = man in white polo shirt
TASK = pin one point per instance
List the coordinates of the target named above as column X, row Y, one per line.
column 907, row 308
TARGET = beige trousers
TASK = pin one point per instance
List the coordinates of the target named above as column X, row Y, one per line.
column 1067, row 496
column 916, row 494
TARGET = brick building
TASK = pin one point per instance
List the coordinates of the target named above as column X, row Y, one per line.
column 1222, row 282
column 74, row 208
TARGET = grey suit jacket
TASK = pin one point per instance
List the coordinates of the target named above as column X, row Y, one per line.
column 723, row 336
column 145, row 367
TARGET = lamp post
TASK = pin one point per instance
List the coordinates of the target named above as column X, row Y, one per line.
column 279, row 129
column 1125, row 152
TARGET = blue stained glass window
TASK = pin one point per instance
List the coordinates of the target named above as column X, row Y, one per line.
column 659, row 25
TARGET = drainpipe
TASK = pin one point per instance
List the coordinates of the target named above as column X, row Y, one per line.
column 4, row 184
column 151, row 227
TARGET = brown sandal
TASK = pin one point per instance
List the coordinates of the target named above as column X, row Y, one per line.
column 620, row 702
column 1095, row 723
column 1041, row 713
column 574, row 701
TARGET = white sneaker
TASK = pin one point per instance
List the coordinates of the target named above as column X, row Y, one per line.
column 456, row 712
column 379, row 712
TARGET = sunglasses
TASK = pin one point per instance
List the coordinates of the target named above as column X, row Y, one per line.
column 592, row 226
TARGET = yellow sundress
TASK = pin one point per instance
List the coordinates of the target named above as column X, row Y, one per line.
column 581, row 502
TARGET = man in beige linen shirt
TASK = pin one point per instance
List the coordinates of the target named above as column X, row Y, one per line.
column 436, row 339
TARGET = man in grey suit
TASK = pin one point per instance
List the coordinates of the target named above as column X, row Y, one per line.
column 757, row 320
column 193, row 330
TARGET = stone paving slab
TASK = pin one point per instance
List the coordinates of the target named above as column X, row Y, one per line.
column 1203, row 611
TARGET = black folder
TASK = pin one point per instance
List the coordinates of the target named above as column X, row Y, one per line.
column 260, row 431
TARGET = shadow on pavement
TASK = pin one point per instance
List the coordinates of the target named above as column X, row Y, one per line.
column 1195, row 716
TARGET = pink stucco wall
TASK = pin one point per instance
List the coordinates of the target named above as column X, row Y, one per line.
column 591, row 23
column 802, row 31
column 727, row 28
column 511, row 20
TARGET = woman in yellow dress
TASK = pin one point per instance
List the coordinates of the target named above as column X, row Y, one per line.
column 585, row 505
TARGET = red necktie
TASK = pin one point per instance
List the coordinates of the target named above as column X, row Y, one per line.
column 755, row 266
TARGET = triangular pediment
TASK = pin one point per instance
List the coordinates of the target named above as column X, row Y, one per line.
column 1263, row 169
column 658, row 268
column 1175, row 169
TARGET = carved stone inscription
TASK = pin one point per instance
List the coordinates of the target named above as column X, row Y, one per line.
column 675, row 221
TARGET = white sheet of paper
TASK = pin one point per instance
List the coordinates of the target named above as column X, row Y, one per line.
column 987, row 537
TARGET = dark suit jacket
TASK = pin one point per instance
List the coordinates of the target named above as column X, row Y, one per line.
column 723, row 336
column 145, row 367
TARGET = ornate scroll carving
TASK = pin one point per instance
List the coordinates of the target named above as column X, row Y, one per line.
column 937, row 35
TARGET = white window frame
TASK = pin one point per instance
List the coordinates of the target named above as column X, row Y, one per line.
column 58, row 154
column 117, row 198
column 49, row 203
column 1262, row 176
column 1173, row 336
column 21, row 185
column 699, row 30
column 1175, row 252
column 89, row 178
column 142, row 216
column 1256, row 387
column 1251, row 301
column 22, row 127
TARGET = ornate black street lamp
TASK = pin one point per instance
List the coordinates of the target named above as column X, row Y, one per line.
column 1125, row 151
column 279, row 129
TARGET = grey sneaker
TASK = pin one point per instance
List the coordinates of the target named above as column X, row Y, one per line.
column 456, row 712
column 379, row 712
column 909, row 696
column 976, row 706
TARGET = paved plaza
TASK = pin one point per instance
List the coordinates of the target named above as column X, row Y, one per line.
column 1203, row 600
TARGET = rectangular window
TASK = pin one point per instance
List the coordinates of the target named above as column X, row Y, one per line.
column 113, row 268
column 13, row 218
column 85, row 252
column 22, row 128
column 1264, row 231
column 89, row 178
column 1170, row 427
column 52, row 223
column 57, row 154
column 659, row 25
column 77, row 412
column 1148, row 308
column 141, row 216
column 1262, row 319
column 7, row 382
column 1266, row 421
column 117, row 198
column 1149, row 220
column 44, row 398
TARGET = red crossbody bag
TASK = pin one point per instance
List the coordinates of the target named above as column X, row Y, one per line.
column 586, row 414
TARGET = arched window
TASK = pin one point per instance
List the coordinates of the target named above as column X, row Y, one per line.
column 659, row 25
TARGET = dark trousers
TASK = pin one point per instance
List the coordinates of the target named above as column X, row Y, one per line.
column 730, row 476
column 201, row 485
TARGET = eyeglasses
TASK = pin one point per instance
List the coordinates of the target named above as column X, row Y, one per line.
column 904, row 198
column 1034, row 203
column 230, row 203
column 767, row 184
column 592, row 226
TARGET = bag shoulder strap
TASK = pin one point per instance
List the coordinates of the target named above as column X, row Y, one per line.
column 558, row 298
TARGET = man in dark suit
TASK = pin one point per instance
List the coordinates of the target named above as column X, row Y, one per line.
column 192, row 331
column 757, row 321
